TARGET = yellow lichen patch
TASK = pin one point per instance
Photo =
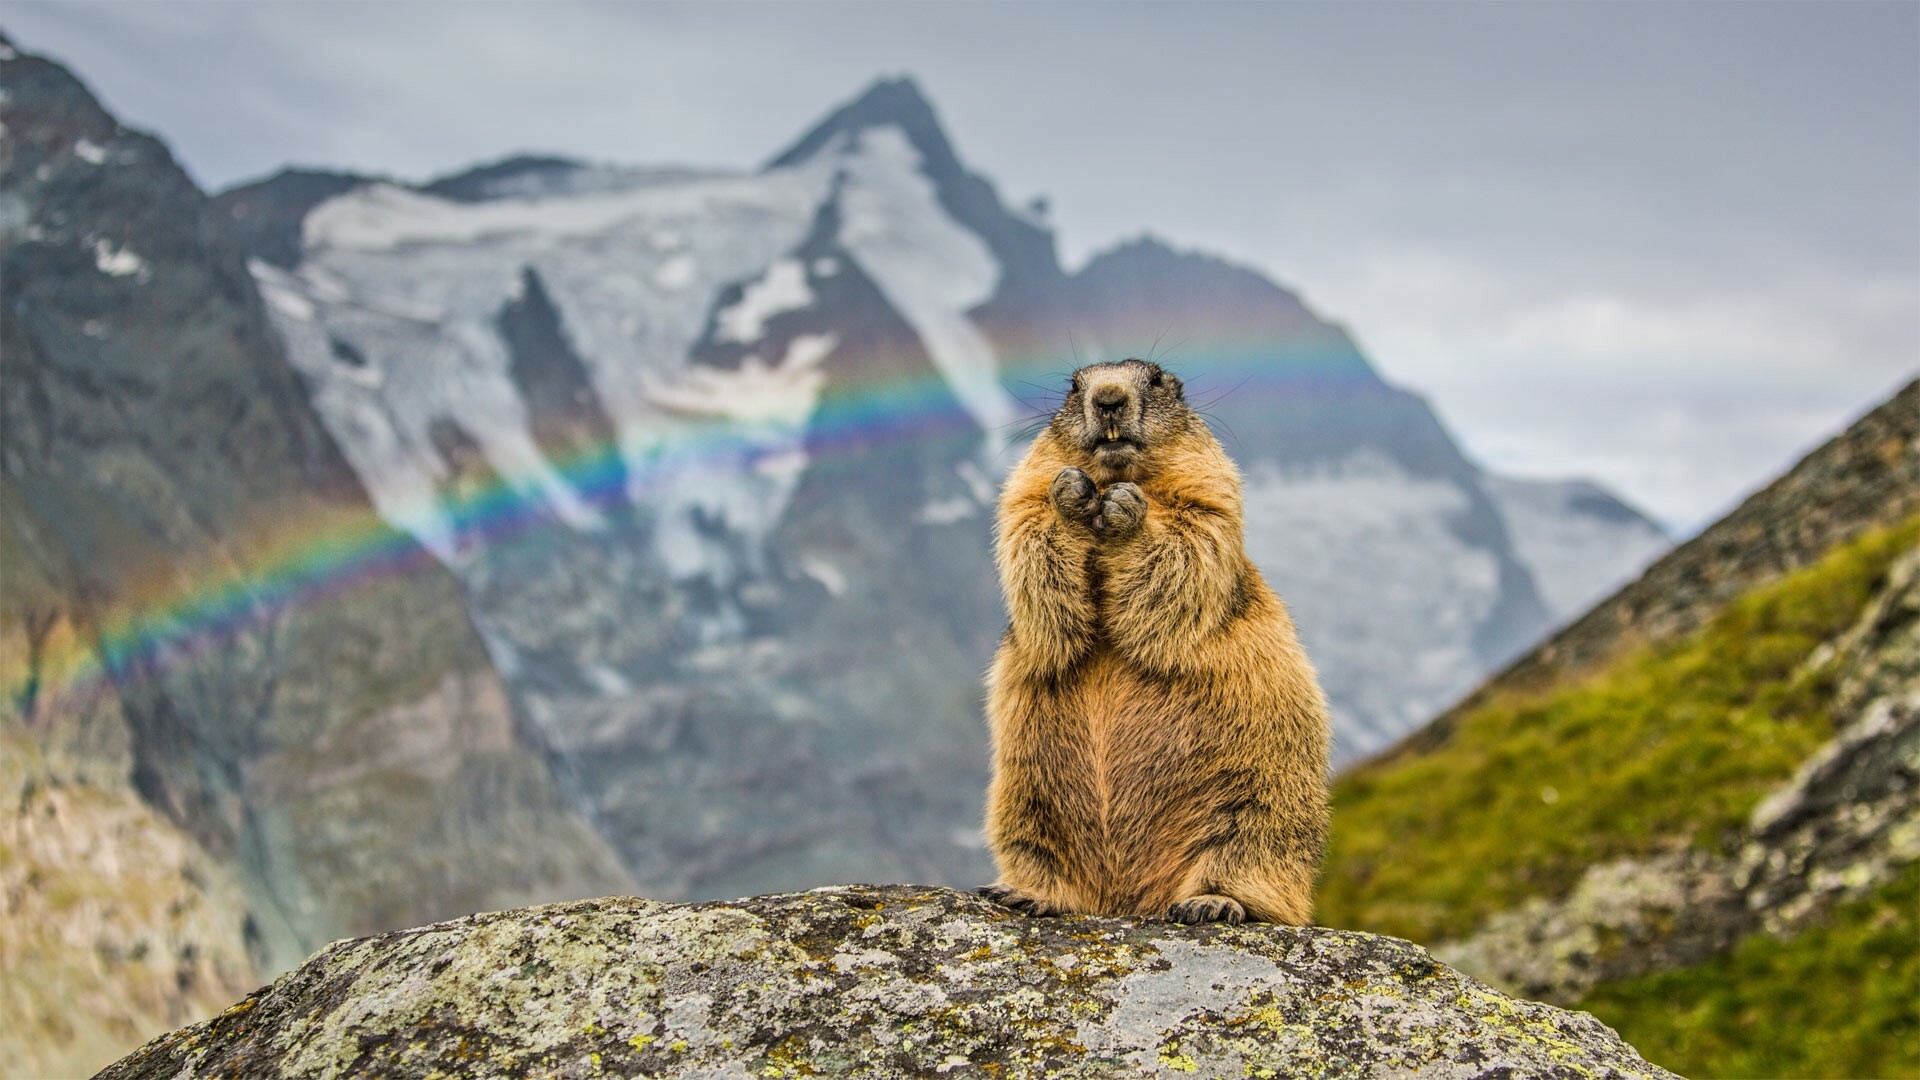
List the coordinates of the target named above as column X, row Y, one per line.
column 1179, row 1062
column 1269, row 1017
column 787, row 1059
column 1504, row 1013
column 1055, row 1043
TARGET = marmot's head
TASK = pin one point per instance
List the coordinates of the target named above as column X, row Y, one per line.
column 1118, row 414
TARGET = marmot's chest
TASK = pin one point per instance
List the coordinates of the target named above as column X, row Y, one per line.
column 1125, row 723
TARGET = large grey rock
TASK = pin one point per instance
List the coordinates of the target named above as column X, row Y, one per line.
column 876, row 981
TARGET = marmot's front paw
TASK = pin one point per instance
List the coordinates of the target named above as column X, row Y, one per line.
column 1007, row 896
column 1122, row 510
column 1074, row 496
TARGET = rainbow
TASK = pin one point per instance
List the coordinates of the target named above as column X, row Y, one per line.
column 329, row 551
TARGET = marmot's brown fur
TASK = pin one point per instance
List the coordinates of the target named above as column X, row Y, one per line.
column 1159, row 738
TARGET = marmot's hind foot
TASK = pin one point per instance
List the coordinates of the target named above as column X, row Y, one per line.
column 1026, row 903
column 1209, row 908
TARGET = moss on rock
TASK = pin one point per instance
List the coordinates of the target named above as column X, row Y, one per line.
column 875, row 981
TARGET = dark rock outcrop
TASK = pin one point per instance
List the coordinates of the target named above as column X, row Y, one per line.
column 876, row 981
column 263, row 218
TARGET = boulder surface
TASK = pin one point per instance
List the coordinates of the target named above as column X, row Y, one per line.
column 876, row 981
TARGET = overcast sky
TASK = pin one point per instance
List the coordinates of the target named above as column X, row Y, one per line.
column 1667, row 246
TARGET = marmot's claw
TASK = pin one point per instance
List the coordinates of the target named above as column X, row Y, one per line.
column 1074, row 495
column 1007, row 896
column 1122, row 509
column 1201, row 909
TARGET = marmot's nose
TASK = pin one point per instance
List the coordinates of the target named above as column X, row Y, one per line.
column 1109, row 399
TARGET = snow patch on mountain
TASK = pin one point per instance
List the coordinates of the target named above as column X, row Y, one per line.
column 607, row 681
column 454, row 369
column 384, row 217
column 1368, row 560
column 948, row 511
column 1580, row 542
column 781, row 289
column 739, row 475
column 115, row 261
column 631, row 271
column 830, row 577
column 285, row 300
column 780, row 395
column 676, row 273
column 930, row 268
column 414, row 284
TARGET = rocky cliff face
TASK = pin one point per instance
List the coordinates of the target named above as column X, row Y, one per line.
column 116, row 923
column 876, row 981
column 292, row 772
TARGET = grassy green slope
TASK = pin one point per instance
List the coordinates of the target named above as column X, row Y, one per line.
column 1664, row 746
column 1659, row 748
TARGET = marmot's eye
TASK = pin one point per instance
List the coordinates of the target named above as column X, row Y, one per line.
column 1159, row 379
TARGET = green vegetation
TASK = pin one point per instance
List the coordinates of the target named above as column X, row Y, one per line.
column 1839, row 999
column 1663, row 747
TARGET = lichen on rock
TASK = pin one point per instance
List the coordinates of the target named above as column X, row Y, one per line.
column 876, row 981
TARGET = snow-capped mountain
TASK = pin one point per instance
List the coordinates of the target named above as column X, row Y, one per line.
column 1573, row 535
column 714, row 455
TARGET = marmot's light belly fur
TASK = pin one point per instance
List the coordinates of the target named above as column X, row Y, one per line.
column 1159, row 738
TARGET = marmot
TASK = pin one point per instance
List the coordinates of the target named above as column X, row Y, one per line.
column 1159, row 737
